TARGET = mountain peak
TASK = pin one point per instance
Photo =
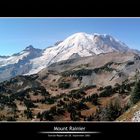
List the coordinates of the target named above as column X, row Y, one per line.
column 77, row 38
column 94, row 34
column 28, row 48
column 79, row 34
column 82, row 36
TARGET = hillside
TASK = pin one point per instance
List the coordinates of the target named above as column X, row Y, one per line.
column 81, row 89
column 131, row 114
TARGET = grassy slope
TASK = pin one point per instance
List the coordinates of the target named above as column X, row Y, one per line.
column 128, row 115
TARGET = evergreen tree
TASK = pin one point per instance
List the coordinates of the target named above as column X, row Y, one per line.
column 114, row 110
column 39, row 115
column 95, row 99
column 75, row 115
column 28, row 113
column 135, row 95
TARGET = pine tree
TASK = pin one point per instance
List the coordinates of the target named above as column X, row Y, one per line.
column 114, row 110
column 135, row 95
column 28, row 113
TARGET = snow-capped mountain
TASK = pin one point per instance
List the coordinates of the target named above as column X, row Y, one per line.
column 15, row 58
column 31, row 60
column 18, row 63
column 78, row 45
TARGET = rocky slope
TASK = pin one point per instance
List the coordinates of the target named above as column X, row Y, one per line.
column 76, row 89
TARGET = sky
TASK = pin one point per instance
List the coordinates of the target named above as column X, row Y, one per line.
column 18, row 33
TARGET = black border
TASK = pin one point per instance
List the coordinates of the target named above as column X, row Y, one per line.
column 108, row 130
column 73, row 8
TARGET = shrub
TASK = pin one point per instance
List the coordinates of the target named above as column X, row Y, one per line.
column 38, row 115
column 50, row 100
column 29, row 104
column 47, row 115
column 28, row 113
column 64, row 85
column 66, row 99
column 100, row 89
column 130, row 63
column 77, row 93
column 93, row 98
column 11, row 119
column 95, row 101
column 53, row 110
column 106, row 92
column 75, row 115
column 109, row 113
column 78, row 73
column 82, row 106
column 60, row 111
column 113, row 110
column 135, row 95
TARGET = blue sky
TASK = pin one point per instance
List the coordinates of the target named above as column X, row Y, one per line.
column 18, row 33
